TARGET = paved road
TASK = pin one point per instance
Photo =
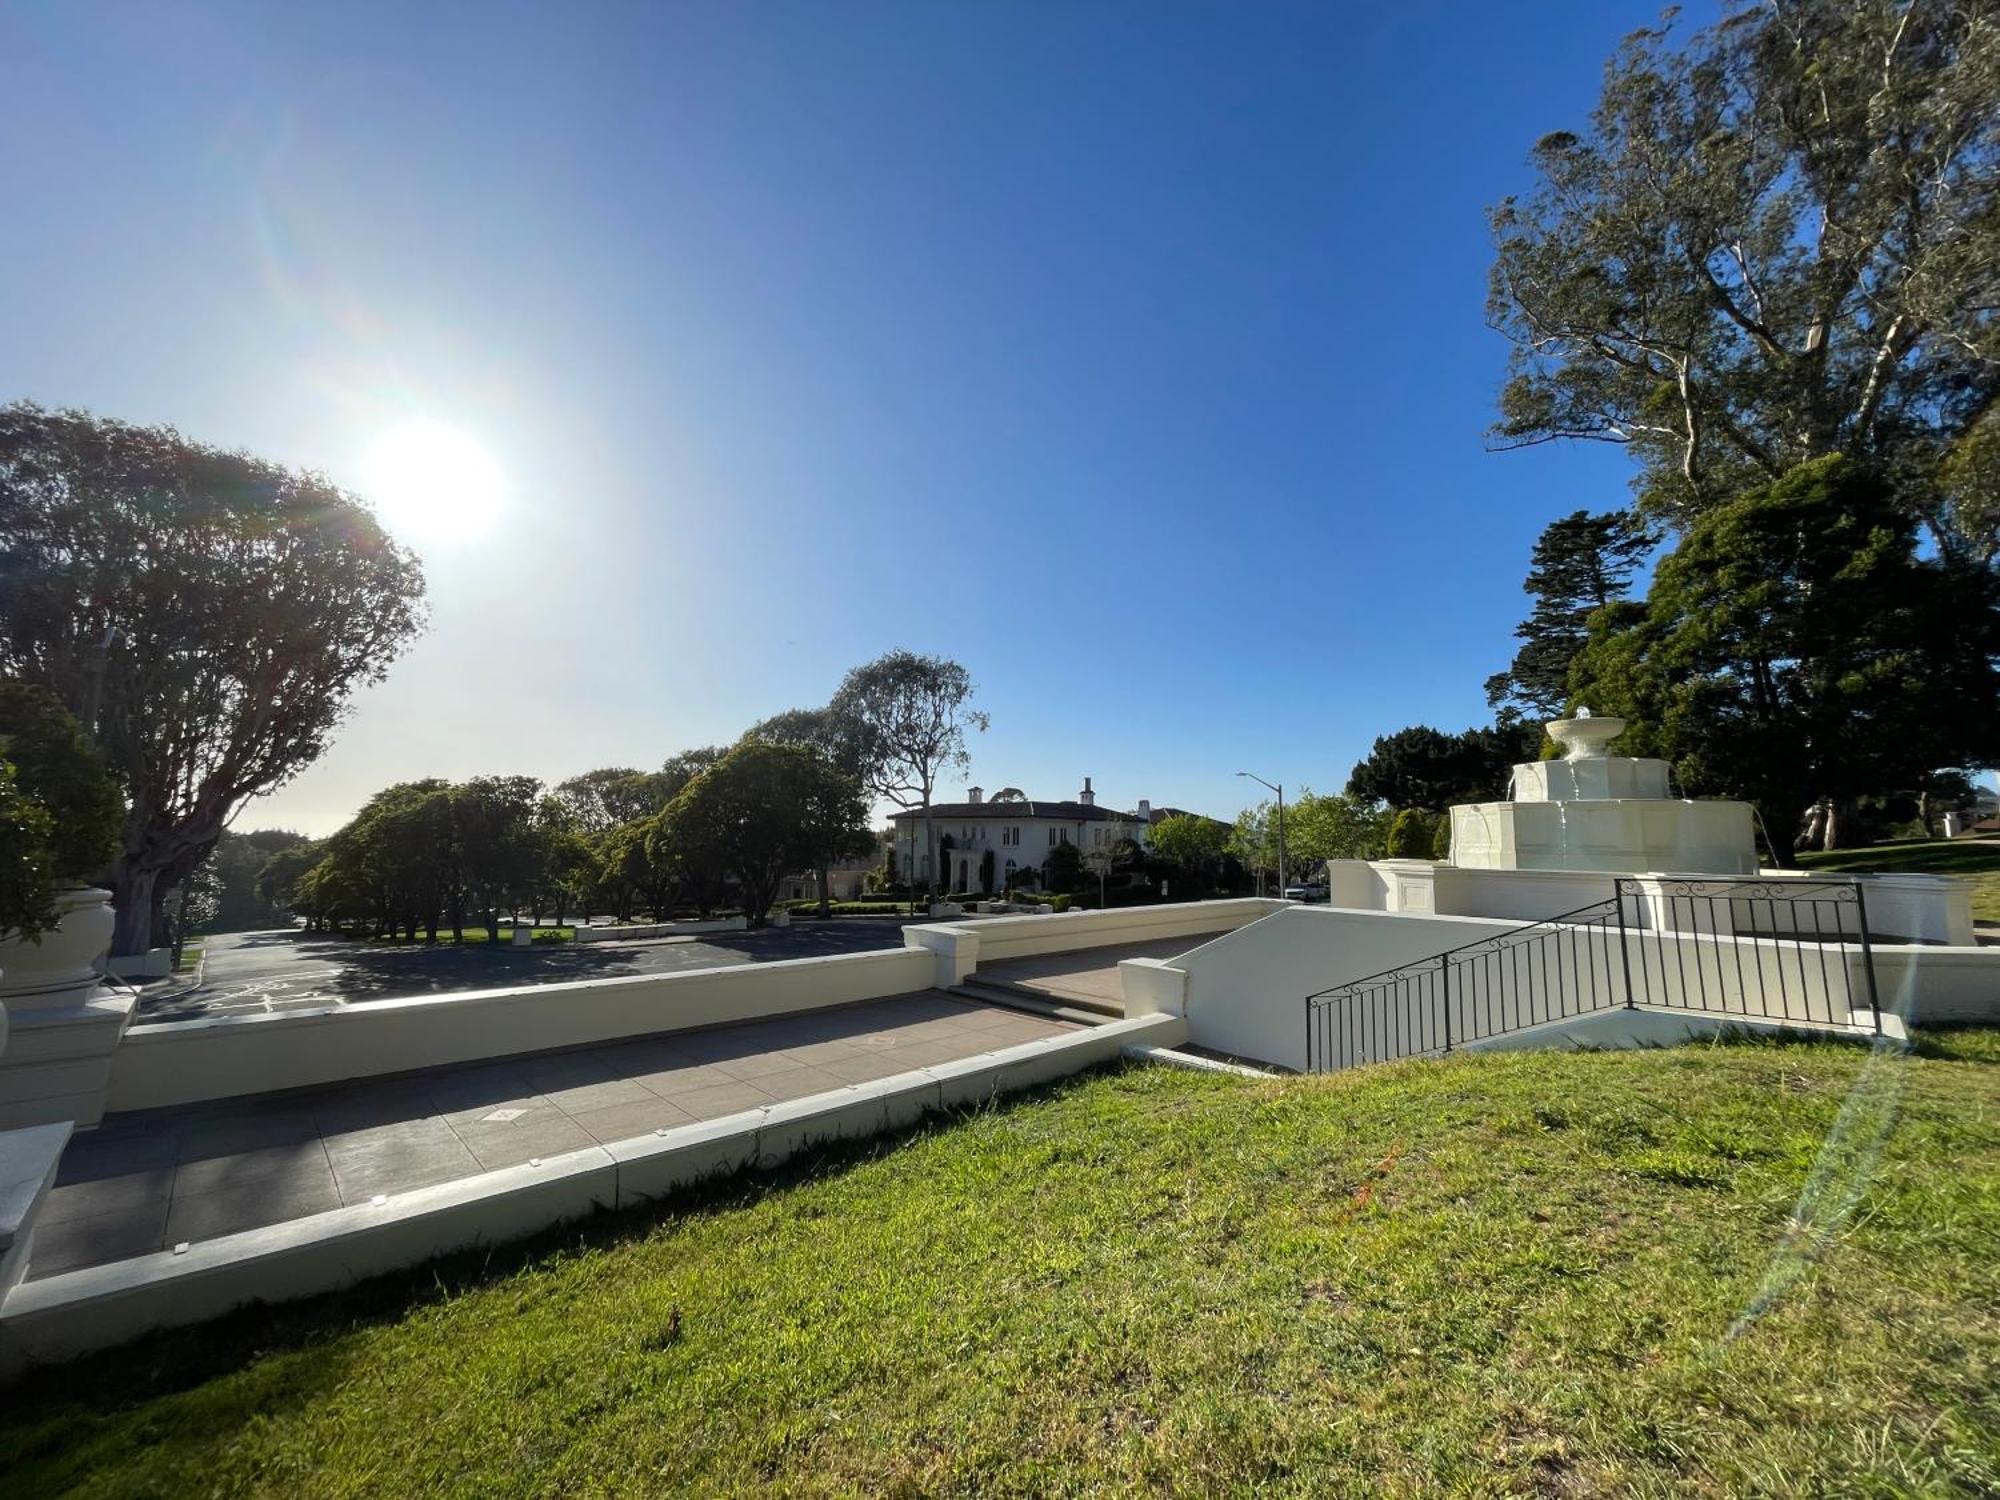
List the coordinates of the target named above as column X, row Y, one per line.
column 255, row 972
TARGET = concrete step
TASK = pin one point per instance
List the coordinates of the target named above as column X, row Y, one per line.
column 1014, row 997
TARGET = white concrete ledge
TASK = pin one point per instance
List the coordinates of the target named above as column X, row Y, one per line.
column 219, row 1057
column 641, row 931
column 70, row 1314
column 1194, row 1062
column 28, row 1161
column 1660, row 1026
column 960, row 947
column 1930, row 983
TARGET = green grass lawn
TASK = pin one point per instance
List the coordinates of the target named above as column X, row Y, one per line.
column 1718, row 1270
column 1974, row 861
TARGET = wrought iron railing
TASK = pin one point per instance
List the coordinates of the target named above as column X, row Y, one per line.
column 1783, row 949
column 1772, row 949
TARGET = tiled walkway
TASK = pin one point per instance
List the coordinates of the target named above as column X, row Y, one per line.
column 150, row 1179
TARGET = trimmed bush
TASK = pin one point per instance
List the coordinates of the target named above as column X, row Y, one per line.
column 1413, row 834
column 27, row 884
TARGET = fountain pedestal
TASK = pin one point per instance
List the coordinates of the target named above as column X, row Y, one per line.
column 1598, row 812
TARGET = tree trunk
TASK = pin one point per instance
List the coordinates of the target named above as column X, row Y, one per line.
column 158, row 927
column 132, row 896
column 825, row 897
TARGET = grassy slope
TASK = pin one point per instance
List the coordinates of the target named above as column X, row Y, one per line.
column 1975, row 861
column 1512, row 1273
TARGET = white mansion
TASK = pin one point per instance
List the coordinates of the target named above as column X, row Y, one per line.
column 1018, row 831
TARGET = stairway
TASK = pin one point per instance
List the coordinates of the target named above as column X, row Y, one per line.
column 1075, row 1009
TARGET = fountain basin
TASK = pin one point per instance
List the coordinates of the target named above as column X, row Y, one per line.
column 1619, row 834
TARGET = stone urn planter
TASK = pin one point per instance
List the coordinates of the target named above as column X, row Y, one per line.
column 64, row 966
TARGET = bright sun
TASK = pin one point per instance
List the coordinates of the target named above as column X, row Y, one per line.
column 431, row 482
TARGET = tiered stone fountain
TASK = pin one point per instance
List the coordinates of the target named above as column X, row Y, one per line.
column 1598, row 812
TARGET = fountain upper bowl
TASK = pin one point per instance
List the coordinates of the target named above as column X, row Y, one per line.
column 1584, row 739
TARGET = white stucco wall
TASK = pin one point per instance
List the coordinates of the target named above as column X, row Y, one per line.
column 1908, row 908
column 959, row 947
column 1245, row 992
column 224, row 1056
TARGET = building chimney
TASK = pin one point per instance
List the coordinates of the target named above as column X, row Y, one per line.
column 975, row 794
column 1145, row 811
column 1087, row 797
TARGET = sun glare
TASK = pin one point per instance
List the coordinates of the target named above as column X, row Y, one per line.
column 430, row 482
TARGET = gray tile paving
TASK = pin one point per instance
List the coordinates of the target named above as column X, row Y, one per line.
column 144, row 1181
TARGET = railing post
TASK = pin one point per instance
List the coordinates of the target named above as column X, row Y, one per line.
column 1444, row 988
column 1867, row 954
column 1309, row 1034
column 1624, row 950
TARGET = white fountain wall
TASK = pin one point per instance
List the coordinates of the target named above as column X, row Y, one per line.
column 1613, row 834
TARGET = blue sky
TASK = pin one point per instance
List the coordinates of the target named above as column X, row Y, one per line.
column 1133, row 355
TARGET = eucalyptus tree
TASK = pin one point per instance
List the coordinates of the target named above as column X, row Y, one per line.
column 906, row 716
column 205, row 614
column 1777, row 242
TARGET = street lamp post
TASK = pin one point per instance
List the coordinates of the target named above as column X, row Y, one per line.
column 1281, row 827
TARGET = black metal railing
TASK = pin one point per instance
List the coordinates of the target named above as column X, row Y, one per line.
column 1783, row 950
column 1543, row 971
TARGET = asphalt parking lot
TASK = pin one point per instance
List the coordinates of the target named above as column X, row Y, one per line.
column 247, row 973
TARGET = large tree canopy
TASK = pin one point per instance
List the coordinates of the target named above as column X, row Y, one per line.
column 761, row 812
column 1425, row 768
column 1795, row 646
column 1779, row 242
column 205, row 614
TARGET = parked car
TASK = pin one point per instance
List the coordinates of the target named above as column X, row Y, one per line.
column 1305, row 893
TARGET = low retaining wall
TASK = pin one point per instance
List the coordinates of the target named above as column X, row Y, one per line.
column 225, row 1056
column 960, row 947
column 640, row 932
column 1931, row 985
column 62, row 1316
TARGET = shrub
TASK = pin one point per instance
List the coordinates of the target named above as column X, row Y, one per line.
column 1441, row 840
column 1412, row 835
column 61, row 771
column 27, row 884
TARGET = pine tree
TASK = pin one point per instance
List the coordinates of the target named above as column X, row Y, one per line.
column 1580, row 564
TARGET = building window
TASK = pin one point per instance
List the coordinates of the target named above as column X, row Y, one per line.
column 1052, row 838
